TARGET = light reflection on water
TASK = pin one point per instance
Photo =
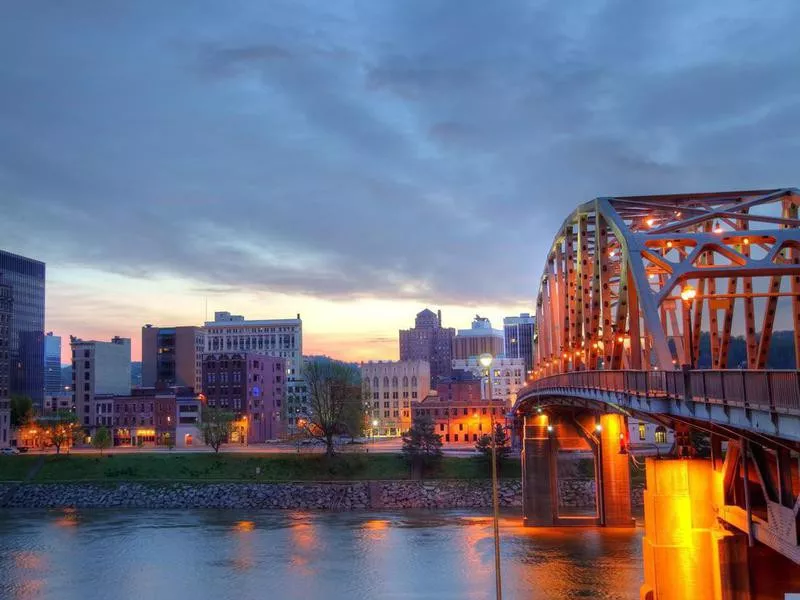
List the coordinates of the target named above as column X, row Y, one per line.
column 73, row 555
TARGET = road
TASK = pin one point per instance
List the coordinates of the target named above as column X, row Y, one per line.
column 382, row 446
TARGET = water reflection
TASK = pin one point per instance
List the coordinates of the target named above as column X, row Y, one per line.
column 442, row 555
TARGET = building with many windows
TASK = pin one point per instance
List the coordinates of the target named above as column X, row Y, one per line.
column 392, row 387
column 279, row 338
column 172, row 356
column 508, row 376
column 250, row 385
column 5, row 358
column 461, row 386
column 519, row 334
column 26, row 278
column 478, row 339
column 428, row 341
column 99, row 370
column 461, row 421
column 649, row 439
column 52, row 364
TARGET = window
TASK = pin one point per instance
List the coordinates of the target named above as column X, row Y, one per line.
column 385, row 395
column 413, row 382
column 385, row 405
column 394, row 395
column 413, row 394
column 642, row 431
column 394, row 382
column 446, row 437
column 386, row 414
column 376, row 395
column 474, row 437
column 460, row 428
column 661, row 435
column 455, row 437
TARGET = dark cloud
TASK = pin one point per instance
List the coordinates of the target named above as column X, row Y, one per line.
column 413, row 149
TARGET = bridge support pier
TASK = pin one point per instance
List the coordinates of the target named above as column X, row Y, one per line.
column 540, row 477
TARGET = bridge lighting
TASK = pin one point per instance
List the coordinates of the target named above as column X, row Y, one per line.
column 611, row 253
column 653, row 276
column 746, row 241
column 669, row 244
column 620, row 338
column 549, row 429
column 688, row 293
column 717, row 227
column 598, row 428
column 539, row 410
column 650, row 221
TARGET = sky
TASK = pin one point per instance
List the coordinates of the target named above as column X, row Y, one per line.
column 356, row 161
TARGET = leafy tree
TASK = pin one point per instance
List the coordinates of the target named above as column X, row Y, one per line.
column 336, row 400
column 101, row 439
column 484, row 444
column 216, row 426
column 21, row 410
column 422, row 446
column 63, row 427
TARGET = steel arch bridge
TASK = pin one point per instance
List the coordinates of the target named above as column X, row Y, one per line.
column 628, row 286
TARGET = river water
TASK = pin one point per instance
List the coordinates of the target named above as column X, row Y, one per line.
column 193, row 554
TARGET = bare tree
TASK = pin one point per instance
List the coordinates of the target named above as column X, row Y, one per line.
column 336, row 401
column 62, row 428
column 216, row 426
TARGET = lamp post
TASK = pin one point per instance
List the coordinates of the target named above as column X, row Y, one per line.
column 688, row 294
column 486, row 362
column 374, row 426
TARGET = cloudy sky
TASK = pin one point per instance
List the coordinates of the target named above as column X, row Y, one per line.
column 355, row 161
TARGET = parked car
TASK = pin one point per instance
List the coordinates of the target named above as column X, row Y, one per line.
column 22, row 449
column 9, row 451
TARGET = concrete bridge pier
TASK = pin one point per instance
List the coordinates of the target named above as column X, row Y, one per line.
column 603, row 435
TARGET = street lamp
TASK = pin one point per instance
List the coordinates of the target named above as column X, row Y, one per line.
column 486, row 361
column 374, row 426
column 688, row 294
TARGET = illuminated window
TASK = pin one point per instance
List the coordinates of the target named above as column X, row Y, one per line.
column 642, row 431
column 661, row 435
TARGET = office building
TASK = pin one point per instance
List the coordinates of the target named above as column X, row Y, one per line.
column 99, row 370
column 5, row 347
column 461, row 420
column 519, row 335
column 279, row 338
column 52, row 364
column 26, row 277
column 172, row 356
column 428, row 341
column 250, row 385
column 62, row 401
column 508, row 376
column 479, row 339
column 392, row 387
column 460, row 386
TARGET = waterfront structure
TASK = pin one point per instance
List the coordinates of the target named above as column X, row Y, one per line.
column 478, row 339
column 508, row 376
column 99, row 369
column 461, row 386
column 172, row 356
column 429, row 341
column 519, row 335
column 252, row 386
column 392, row 387
column 26, row 278
column 461, row 420
column 279, row 338
column 52, row 364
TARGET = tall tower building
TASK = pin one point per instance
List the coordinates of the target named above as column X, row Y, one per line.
column 52, row 365
column 429, row 341
column 99, row 370
column 173, row 356
column 25, row 276
column 519, row 334
column 479, row 339
column 5, row 345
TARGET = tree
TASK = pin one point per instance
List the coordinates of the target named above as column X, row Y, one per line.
column 101, row 439
column 21, row 410
column 63, row 427
column 484, row 444
column 216, row 426
column 336, row 400
column 422, row 446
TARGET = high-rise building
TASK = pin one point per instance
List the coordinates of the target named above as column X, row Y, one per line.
column 508, row 376
column 519, row 334
column 172, row 356
column 52, row 365
column 99, row 369
column 392, row 387
column 5, row 348
column 479, row 339
column 280, row 338
column 250, row 385
column 26, row 278
column 429, row 341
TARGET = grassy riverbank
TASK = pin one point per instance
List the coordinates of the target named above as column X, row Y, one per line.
column 237, row 467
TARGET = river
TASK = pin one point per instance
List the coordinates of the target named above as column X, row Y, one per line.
column 119, row 554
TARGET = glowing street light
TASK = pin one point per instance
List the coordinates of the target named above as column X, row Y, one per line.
column 486, row 361
column 688, row 294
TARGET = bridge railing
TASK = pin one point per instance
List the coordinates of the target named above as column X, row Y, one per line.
column 777, row 391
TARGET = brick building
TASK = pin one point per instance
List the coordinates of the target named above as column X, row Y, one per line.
column 252, row 386
column 144, row 417
column 461, row 421
column 428, row 341
column 461, row 386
